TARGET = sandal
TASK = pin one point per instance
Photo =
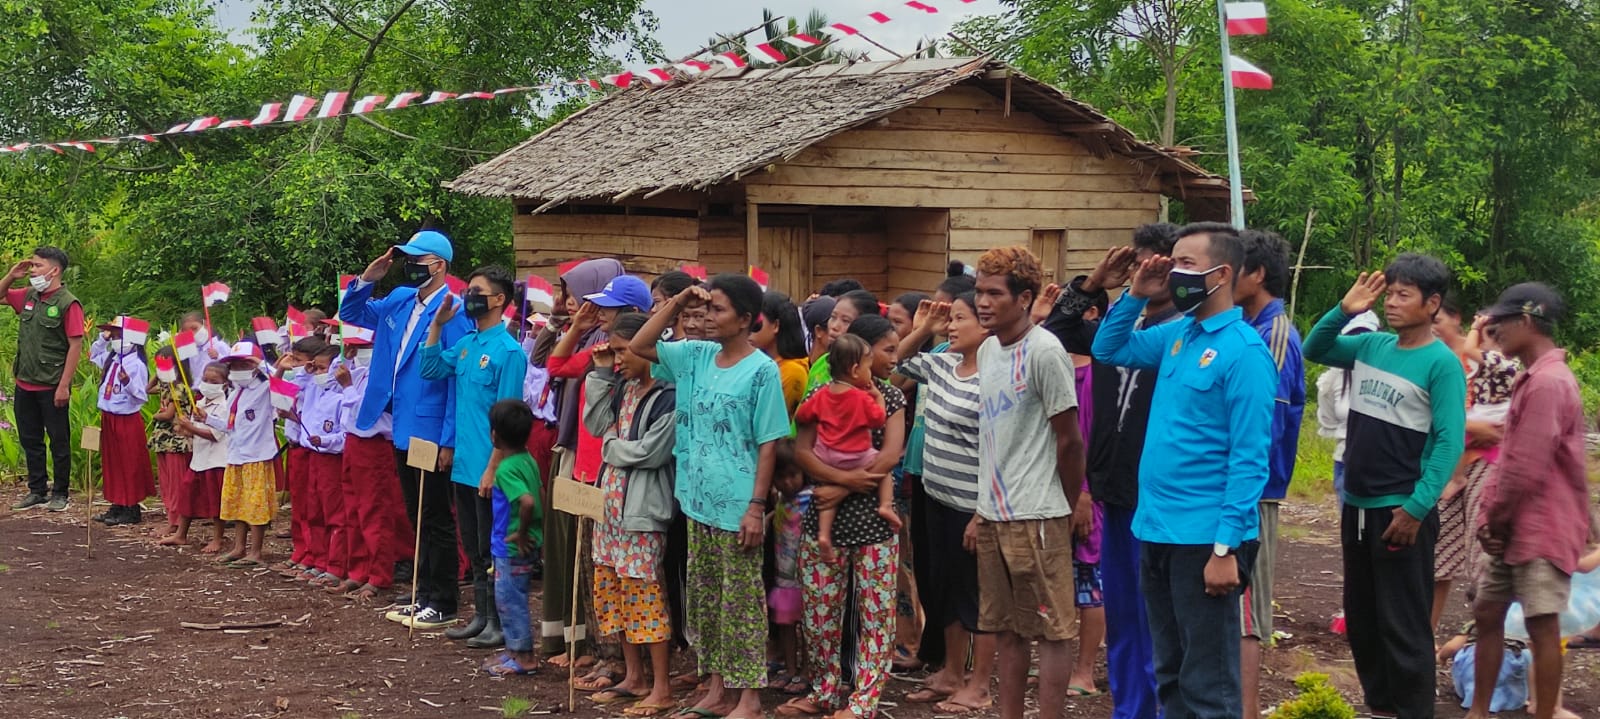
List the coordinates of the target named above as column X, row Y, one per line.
column 1583, row 641
column 798, row 686
column 647, row 710
column 926, row 696
column 799, row 707
column 509, row 667
column 600, row 679
column 1077, row 691
column 613, row 695
column 244, row 563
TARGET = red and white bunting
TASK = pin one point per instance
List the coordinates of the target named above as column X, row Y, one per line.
column 86, row 147
column 367, row 104
column 657, row 76
column 204, row 123
column 878, row 17
column 145, row 138
column 438, row 96
column 230, row 124
column 770, row 52
column 1247, row 76
column 480, row 95
column 299, row 107
column 692, row 67
column 269, row 114
column 1246, row 18
column 621, row 79
column 802, row 40
column 842, row 29
column 402, row 100
column 332, row 104
column 175, row 129
column 929, row 9
column 731, row 59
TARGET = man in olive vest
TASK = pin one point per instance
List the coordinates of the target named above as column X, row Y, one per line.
column 49, row 343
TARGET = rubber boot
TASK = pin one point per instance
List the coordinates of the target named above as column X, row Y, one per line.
column 480, row 619
column 491, row 636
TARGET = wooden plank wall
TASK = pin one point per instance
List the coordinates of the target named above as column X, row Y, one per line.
column 849, row 242
column 646, row 245
column 722, row 244
column 1000, row 177
column 919, row 242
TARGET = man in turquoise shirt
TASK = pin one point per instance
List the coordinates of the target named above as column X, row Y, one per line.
column 488, row 366
column 1204, row 464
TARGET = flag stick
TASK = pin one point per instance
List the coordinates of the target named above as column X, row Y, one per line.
column 205, row 302
column 1235, row 188
column 188, row 388
column 572, row 627
column 416, row 555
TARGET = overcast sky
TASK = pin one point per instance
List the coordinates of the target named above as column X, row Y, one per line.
column 686, row 24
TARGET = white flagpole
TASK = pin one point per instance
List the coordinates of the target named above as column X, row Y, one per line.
column 1235, row 186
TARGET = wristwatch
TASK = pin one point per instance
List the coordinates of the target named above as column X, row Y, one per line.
column 1221, row 550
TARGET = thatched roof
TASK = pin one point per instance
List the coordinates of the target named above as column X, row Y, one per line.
column 694, row 134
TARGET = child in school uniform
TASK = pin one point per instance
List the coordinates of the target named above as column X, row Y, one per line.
column 322, row 432
column 124, row 387
column 516, row 536
column 248, row 496
column 208, row 347
column 170, row 446
column 200, row 496
column 305, row 561
column 378, row 532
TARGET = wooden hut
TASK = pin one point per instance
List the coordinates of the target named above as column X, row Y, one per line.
column 879, row 171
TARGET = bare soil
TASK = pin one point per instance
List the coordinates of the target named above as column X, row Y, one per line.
column 102, row 637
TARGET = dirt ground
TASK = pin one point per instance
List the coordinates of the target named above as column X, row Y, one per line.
column 101, row 637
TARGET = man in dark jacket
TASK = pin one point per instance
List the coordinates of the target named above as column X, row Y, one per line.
column 49, row 344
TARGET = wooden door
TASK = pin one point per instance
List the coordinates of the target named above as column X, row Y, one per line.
column 783, row 249
column 1050, row 247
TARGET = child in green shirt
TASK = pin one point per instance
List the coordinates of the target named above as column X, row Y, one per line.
column 517, row 533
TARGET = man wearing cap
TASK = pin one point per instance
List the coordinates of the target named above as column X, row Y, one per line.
column 49, row 343
column 1533, row 519
column 400, row 323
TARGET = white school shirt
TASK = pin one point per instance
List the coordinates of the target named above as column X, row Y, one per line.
column 320, row 406
column 208, row 454
column 249, row 421
column 125, row 387
column 353, row 396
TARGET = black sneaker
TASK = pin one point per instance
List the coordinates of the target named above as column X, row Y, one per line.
column 58, row 503
column 29, row 502
column 429, row 618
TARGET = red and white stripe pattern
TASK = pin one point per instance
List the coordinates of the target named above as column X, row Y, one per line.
column 266, row 331
column 133, row 329
column 878, row 17
column 621, row 79
column 299, row 107
column 1246, row 18
column 657, row 76
column 215, row 292
column 284, row 393
column 731, row 59
column 367, row 104
column 184, row 346
column 842, row 29
column 541, row 293
column 438, row 96
column 692, row 67
column 166, row 369
column 204, row 123
column 403, row 100
column 332, row 105
column 269, row 114
column 1247, row 76
column 929, row 9
column 802, row 40
column 770, row 52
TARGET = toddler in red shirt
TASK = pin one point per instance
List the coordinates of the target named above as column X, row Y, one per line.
column 847, row 411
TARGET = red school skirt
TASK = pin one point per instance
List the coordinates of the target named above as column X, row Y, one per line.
column 125, row 471
column 200, row 495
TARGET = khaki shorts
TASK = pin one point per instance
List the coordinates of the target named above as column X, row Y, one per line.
column 1539, row 585
column 1025, row 578
column 1255, row 604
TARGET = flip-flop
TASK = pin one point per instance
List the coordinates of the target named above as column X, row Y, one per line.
column 1583, row 641
column 592, row 682
column 614, row 695
column 245, row 563
column 957, row 708
column 226, row 560
column 510, row 667
column 646, row 710
column 926, row 696
column 798, row 686
column 793, row 709
column 1077, row 691
column 698, row 713
column 494, row 661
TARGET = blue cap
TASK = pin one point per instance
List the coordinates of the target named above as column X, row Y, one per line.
column 428, row 242
column 623, row 291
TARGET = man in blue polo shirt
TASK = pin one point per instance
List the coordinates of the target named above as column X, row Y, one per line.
column 1204, row 465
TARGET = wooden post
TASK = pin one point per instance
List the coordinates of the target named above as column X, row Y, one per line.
column 1294, row 286
column 90, row 442
column 752, row 234
column 422, row 455
column 587, row 503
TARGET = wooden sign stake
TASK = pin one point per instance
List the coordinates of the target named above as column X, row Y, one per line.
column 422, row 455
column 90, row 442
column 587, row 503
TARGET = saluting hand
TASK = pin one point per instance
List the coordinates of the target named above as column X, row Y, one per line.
column 447, row 311
column 1363, row 294
column 1151, row 279
column 1113, row 270
column 379, row 267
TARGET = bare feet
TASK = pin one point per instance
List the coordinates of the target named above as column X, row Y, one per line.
column 825, row 547
column 213, row 547
column 889, row 515
column 173, row 540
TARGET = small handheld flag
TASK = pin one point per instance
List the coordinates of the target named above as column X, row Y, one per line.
column 166, row 369
column 216, row 292
column 184, row 346
column 567, row 266
column 1246, row 18
column 696, row 271
column 284, row 393
column 540, row 292
column 266, row 331
column 760, row 276
column 134, row 330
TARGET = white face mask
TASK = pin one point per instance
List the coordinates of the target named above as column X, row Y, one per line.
column 201, row 335
column 210, row 390
column 241, row 377
column 291, row 373
column 364, row 356
column 321, row 377
column 39, row 282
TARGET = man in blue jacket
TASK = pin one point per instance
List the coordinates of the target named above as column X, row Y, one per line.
column 1259, row 292
column 422, row 409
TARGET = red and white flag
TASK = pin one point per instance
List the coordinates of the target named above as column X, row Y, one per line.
column 541, row 292
column 344, row 287
column 184, row 346
column 760, row 276
column 166, row 369
column 367, row 104
column 438, row 96
column 802, row 40
column 770, row 52
column 567, row 266
column 402, row 100
column 215, row 292
column 1246, row 18
column 878, row 17
column 731, row 59
column 657, row 76
column 929, row 9
column 1247, row 76
column 204, row 123
column 266, row 331
column 332, row 104
column 621, row 79
column 351, row 333
column 842, row 29
column 299, row 107
column 133, row 329
column 696, row 271
column 283, row 393
column 693, row 67
column 268, row 114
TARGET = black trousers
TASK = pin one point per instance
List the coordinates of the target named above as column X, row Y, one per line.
column 438, row 565
column 475, row 522
column 38, row 417
column 1388, row 600
column 1195, row 636
column 931, row 650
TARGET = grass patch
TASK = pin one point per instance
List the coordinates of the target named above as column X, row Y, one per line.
column 350, row 715
column 1313, row 466
column 515, row 707
column 52, row 624
column 1293, row 532
column 4, row 568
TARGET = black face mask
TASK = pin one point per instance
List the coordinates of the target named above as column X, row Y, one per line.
column 475, row 304
column 415, row 274
column 1189, row 289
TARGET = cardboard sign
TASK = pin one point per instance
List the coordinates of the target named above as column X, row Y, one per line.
column 577, row 499
column 90, row 439
column 423, row 455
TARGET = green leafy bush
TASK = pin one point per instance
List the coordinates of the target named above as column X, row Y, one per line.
column 1318, row 700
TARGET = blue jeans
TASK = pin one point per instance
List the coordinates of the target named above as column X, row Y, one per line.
column 1338, row 484
column 1196, row 636
column 511, row 575
column 1129, row 666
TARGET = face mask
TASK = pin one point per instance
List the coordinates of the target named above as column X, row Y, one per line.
column 364, row 357
column 1189, row 288
column 210, row 390
column 241, row 377
column 201, row 335
column 292, row 373
column 39, row 282
column 475, row 304
column 321, row 377
column 415, row 274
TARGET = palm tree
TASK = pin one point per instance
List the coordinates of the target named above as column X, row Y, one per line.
column 772, row 29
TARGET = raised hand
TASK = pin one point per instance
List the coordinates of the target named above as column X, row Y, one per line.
column 603, row 355
column 341, row 374
column 446, row 312
column 587, row 318
column 937, row 318
column 1045, row 301
column 1113, row 270
column 1363, row 294
column 20, row 270
column 693, row 296
column 1151, row 279
column 379, row 267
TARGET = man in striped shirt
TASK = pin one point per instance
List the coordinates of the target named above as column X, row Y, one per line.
column 1259, row 292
